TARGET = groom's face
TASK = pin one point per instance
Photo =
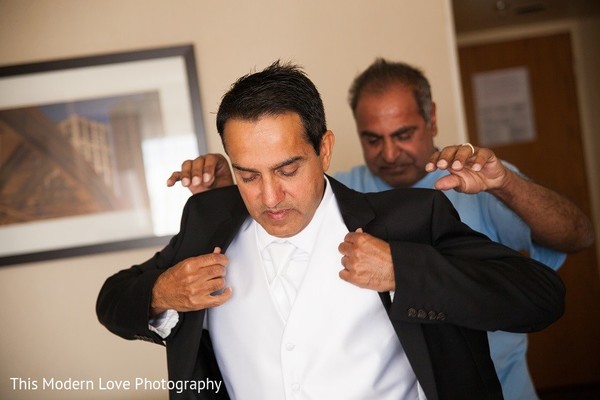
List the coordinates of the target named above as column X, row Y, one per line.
column 279, row 175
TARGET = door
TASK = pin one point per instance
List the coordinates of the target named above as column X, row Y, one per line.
column 567, row 353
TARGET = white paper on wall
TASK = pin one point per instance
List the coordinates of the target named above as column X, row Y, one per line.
column 503, row 107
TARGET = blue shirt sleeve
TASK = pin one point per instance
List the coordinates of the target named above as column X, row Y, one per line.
column 510, row 230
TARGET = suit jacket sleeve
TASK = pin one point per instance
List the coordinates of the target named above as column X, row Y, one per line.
column 452, row 274
column 123, row 305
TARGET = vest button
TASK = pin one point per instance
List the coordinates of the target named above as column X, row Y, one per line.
column 290, row 346
column 296, row 386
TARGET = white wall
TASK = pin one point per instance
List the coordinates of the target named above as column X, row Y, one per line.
column 50, row 328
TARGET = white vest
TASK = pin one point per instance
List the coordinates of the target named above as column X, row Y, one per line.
column 338, row 342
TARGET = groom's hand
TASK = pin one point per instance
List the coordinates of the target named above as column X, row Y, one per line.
column 367, row 262
column 190, row 285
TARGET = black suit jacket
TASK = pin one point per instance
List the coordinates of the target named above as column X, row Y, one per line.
column 452, row 285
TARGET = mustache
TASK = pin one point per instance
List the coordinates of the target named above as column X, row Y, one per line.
column 279, row 208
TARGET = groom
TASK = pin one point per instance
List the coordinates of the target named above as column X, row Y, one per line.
column 291, row 285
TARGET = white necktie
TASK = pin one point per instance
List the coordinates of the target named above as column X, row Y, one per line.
column 283, row 274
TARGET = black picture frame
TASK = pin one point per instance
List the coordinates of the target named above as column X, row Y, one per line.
column 72, row 180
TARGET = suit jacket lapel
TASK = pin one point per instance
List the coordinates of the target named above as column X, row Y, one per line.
column 181, row 353
column 358, row 213
column 356, row 210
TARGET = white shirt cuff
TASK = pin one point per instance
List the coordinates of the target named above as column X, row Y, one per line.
column 164, row 323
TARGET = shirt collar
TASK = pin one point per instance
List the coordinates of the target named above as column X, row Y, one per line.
column 306, row 238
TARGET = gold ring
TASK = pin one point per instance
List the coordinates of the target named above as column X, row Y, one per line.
column 471, row 146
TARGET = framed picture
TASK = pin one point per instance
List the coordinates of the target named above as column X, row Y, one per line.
column 86, row 147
